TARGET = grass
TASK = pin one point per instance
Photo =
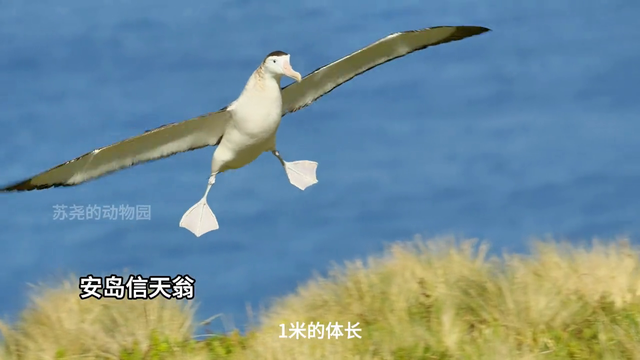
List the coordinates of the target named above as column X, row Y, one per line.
column 438, row 299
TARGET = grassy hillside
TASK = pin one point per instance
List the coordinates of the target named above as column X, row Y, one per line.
column 437, row 299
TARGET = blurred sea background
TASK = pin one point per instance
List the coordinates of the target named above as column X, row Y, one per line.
column 526, row 131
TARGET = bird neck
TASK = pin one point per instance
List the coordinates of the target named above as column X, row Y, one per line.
column 260, row 80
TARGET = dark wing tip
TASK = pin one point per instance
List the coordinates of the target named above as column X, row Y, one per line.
column 461, row 31
column 28, row 185
column 466, row 31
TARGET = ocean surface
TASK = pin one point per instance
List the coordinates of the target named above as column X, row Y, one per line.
column 527, row 131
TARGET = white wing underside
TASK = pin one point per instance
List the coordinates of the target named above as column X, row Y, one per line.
column 154, row 144
column 323, row 80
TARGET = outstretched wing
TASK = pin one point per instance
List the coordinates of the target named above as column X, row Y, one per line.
column 320, row 82
column 154, row 144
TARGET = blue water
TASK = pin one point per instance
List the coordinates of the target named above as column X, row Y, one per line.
column 529, row 130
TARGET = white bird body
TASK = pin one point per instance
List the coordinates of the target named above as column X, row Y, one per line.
column 247, row 127
column 255, row 118
column 253, row 122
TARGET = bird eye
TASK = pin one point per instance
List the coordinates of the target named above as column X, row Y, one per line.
column 274, row 61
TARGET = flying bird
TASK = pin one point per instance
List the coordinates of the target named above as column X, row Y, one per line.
column 247, row 127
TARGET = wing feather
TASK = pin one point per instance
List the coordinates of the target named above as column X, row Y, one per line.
column 164, row 141
column 323, row 80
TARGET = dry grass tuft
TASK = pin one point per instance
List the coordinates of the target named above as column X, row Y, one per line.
column 438, row 299
column 57, row 323
column 446, row 300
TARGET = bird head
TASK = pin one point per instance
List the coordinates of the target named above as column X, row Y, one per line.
column 277, row 64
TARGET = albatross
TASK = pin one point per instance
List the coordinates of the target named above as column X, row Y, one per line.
column 247, row 127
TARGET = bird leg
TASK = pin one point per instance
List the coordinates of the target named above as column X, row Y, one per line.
column 199, row 219
column 301, row 174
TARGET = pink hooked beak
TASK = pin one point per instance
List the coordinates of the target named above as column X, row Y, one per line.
column 288, row 71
